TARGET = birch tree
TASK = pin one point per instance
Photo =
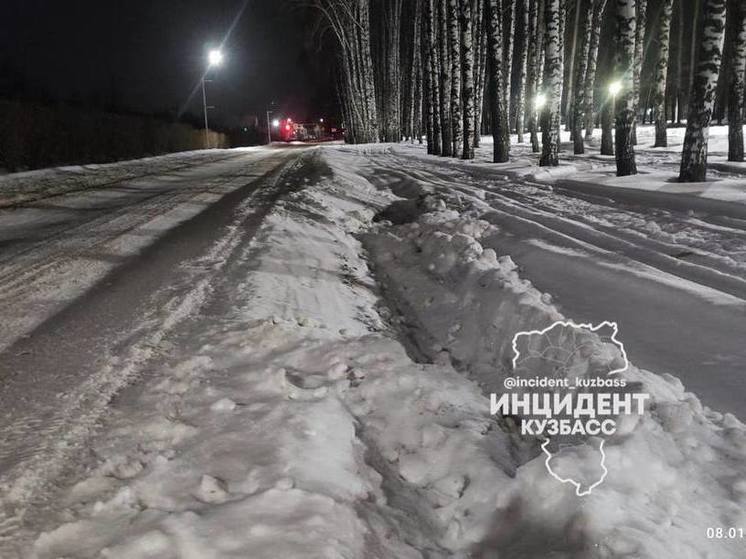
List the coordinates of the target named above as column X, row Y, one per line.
column 445, row 77
column 467, row 77
column 737, row 38
column 392, row 95
column 625, row 100
column 508, row 32
column 641, row 11
column 454, row 44
column 479, row 46
column 553, row 77
column 349, row 21
column 679, row 95
column 433, row 94
column 415, row 75
column 499, row 118
column 599, row 7
column 578, row 103
column 661, row 73
column 702, row 97
column 535, row 62
column 694, row 13
column 568, row 92
column 520, row 108
column 607, row 126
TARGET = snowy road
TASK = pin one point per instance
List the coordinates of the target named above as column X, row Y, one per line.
column 71, row 233
column 126, row 255
column 675, row 282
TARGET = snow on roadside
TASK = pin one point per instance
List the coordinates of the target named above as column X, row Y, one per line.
column 671, row 476
column 656, row 183
column 302, row 428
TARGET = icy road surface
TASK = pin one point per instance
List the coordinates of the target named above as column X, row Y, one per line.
column 124, row 251
column 674, row 281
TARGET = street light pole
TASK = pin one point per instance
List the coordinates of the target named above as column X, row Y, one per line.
column 214, row 58
column 204, row 108
column 269, row 132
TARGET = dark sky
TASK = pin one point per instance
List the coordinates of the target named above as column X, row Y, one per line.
column 147, row 55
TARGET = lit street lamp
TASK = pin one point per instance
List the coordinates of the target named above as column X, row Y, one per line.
column 540, row 100
column 615, row 88
column 214, row 58
column 275, row 124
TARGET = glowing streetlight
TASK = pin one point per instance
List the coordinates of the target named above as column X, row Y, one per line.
column 276, row 123
column 321, row 120
column 215, row 57
column 540, row 100
column 615, row 87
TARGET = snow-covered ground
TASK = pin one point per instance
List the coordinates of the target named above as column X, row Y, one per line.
column 670, row 278
column 310, row 383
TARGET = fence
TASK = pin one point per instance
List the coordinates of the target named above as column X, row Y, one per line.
column 34, row 136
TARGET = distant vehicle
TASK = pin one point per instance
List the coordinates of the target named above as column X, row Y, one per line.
column 291, row 131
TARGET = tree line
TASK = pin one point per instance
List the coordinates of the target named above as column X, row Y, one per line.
column 452, row 70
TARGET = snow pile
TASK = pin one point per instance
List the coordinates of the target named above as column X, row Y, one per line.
column 462, row 299
column 672, row 474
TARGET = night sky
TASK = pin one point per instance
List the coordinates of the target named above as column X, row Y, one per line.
column 147, row 56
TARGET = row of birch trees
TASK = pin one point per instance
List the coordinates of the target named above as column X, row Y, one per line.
column 449, row 71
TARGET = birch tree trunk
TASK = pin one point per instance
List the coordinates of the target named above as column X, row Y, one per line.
column 479, row 45
column 467, row 77
column 349, row 20
column 433, row 76
column 695, row 13
column 427, row 97
column 553, row 77
column 641, row 9
column 415, row 75
column 454, row 40
column 567, row 108
column 578, row 103
column 607, row 126
column 531, row 61
column 535, row 66
column 393, row 72
column 661, row 72
column 419, row 86
column 499, row 118
column 702, row 97
column 509, row 13
column 599, row 7
column 625, row 101
column 370, row 126
column 737, row 36
column 520, row 107
column 680, row 63
column 445, row 78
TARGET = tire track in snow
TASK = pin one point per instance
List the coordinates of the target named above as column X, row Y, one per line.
column 534, row 213
column 42, row 437
column 35, row 280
